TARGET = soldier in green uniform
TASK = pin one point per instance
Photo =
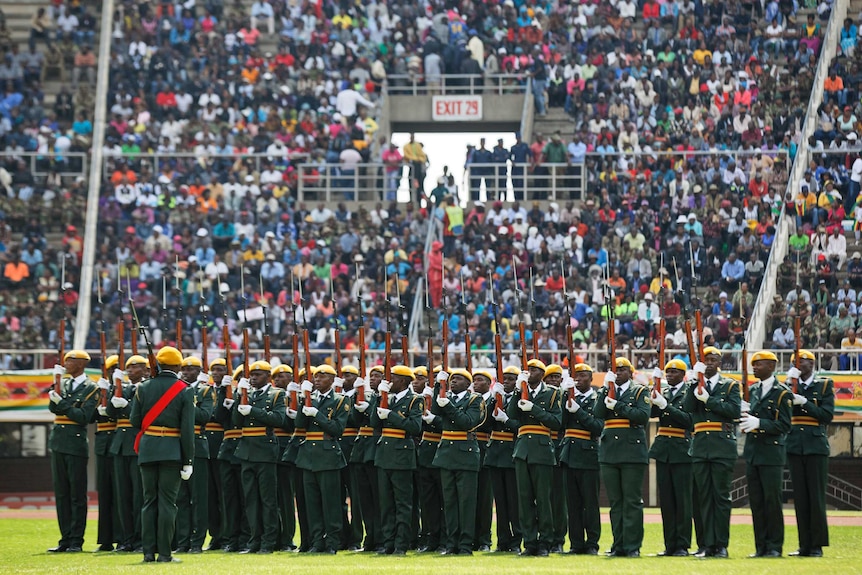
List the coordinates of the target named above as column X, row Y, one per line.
column 127, row 474
column 258, row 452
column 580, row 459
column 351, row 516
column 457, row 457
column 428, row 484
column 482, row 379
column 235, row 532
column 553, row 378
column 419, row 385
column 623, row 455
column 296, row 473
column 673, row 463
column 766, row 424
column 282, row 376
column 808, row 454
column 106, row 426
column 165, row 452
column 395, row 457
column 215, row 435
column 498, row 459
column 538, row 419
column 321, row 459
column 714, row 410
column 193, row 498
column 362, row 460
column 73, row 410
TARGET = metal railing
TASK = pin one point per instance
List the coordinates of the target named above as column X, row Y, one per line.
column 455, row 84
column 66, row 164
column 364, row 183
column 187, row 162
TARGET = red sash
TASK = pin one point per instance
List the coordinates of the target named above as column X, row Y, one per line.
column 158, row 408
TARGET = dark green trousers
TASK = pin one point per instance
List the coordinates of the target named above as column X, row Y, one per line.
column 808, row 474
column 624, row 484
column 506, row 502
column 324, row 509
column 697, row 514
column 712, row 479
column 431, row 531
column 109, row 532
column 214, row 498
column 559, row 507
column 286, row 507
column 484, row 509
column 459, row 508
column 674, row 490
column 129, row 497
column 297, row 477
column 193, row 508
column 535, row 500
column 369, row 498
column 234, row 527
column 582, row 501
column 414, row 518
column 351, row 516
column 764, row 496
column 69, row 473
column 396, row 507
column 261, row 504
column 161, row 484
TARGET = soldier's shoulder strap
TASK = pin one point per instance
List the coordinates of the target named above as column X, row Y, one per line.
column 784, row 392
column 825, row 383
column 339, row 403
column 413, row 400
column 92, row 392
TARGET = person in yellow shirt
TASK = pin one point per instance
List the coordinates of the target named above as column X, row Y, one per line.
column 657, row 284
column 806, row 201
column 414, row 155
column 701, row 53
column 253, row 255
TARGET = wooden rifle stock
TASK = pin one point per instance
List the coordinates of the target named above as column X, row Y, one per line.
column 308, row 373
column 798, row 334
column 179, row 328
column 387, row 370
column 338, row 353
column 121, row 361
column 134, row 337
column 225, row 334
column 103, row 345
column 294, row 396
column 571, row 349
column 612, row 346
column 61, row 336
column 657, row 381
column 498, row 350
column 745, row 390
column 525, row 392
column 243, row 400
column 701, row 380
column 360, row 390
column 444, row 355
column 204, row 345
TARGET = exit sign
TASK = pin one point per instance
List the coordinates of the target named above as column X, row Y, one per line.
column 456, row 108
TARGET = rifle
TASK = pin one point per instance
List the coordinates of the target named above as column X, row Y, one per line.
column 430, row 340
column 225, row 335
column 498, row 345
column 308, row 373
column 121, row 328
column 525, row 394
column 103, row 345
column 243, row 400
column 179, row 322
column 266, row 351
column 387, row 368
column 533, row 317
column 337, row 335
column 61, row 329
column 612, row 344
column 360, row 390
column 744, row 358
column 294, row 396
column 405, row 347
column 133, row 338
column 468, row 361
column 798, row 326
column 698, row 321
column 570, row 344
column 151, row 356
column 204, row 329
column 164, row 302
column 661, row 329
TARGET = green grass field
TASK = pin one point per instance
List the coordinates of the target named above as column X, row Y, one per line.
column 24, row 542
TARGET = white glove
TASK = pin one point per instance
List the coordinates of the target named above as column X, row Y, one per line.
column 203, row 378
column 701, row 394
column 442, row 376
column 658, row 400
column 226, row 381
column 228, row 403
column 793, row 373
column 573, row 406
column 443, row 401
column 799, row 399
column 523, row 377
column 103, row 411
column 104, row 384
column 307, row 386
column 384, row 386
column 428, row 418
column 243, row 384
column 54, row 396
column 610, row 403
column 309, row 411
column 699, row 367
column 293, row 387
column 244, row 409
column 291, row 413
column 500, row 415
column 744, row 406
column 119, row 402
column 360, row 383
column 525, row 405
column 566, row 373
column 498, row 389
column 610, row 377
column 361, row 406
column 657, row 373
column 338, row 383
column 59, row 370
column 567, row 384
column 428, row 392
column 186, row 472
column 749, row 423
column 383, row 413
column 119, row 376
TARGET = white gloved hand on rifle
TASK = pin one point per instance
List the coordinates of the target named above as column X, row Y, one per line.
column 338, row 383
column 361, row 406
column 291, row 413
column 567, row 384
column 525, row 405
column 428, row 417
column 203, row 379
column 749, row 423
column 103, row 411
column 744, row 406
column 309, row 411
column 119, row 402
column 54, row 397
column 226, row 381
column 610, row 403
column 292, row 386
column 244, row 410
column 383, row 413
column 501, row 415
column 701, row 394
column 572, row 406
column 799, row 399
column 104, row 384
column 658, row 399
column 119, row 376
column 244, row 384
column 384, row 386
column 443, row 401
column 657, row 373
column 610, row 378
column 793, row 373
column 523, row 377
column 699, row 368
column 442, row 376
column 428, row 392
column 59, row 370
column 228, row 403
column 307, row 386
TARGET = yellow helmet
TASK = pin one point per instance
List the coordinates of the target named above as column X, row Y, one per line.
column 403, row 370
column 192, row 361
column 421, row 370
column 763, row 355
column 624, row 362
column 260, row 365
column 76, row 354
column 464, row 372
column 325, row 368
column 169, row 356
column 537, row 363
column 378, row 368
column 237, row 373
column 513, row 369
column 484, row 372
column 803, row 354
column 350, row 369
column 136, row 360
column 710, row 350
column 676, row 364
column 112, row 361
column 218, row 361
column 553, row 368
column 283, row 368
column 582, row 367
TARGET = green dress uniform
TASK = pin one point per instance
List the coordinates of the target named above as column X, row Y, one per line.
column 713, row 454
column 395, row 459
column 127, row 475
column 808, row 459
column 457, row 457
column 351, row 515
column 283, row 472
column 673, row 469
column 165, row 448
column 108, row 532
column 559, row 508
column 623, row 459
column 193, row 498
column 321, row 459
column 579, row 458
column 234, row 527
column 431, row 533
column 535, row 458
column 258, row 451
column 765, row 458
column 214, row 432
column 296, row 473
column 70, row 450
column 485, row 489
column 499, row 461
column 365, row 473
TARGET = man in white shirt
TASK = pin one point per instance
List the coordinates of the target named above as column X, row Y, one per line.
column 836, row 247
column 347, row 101
column 262, row 10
